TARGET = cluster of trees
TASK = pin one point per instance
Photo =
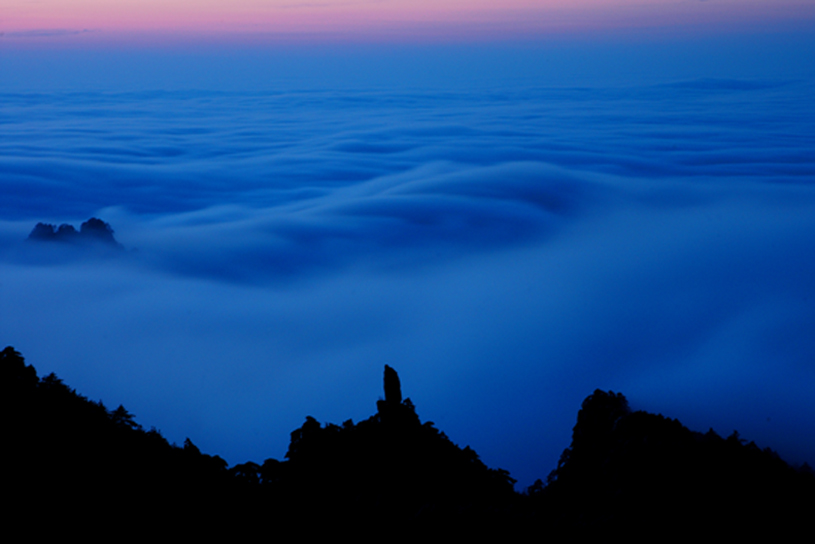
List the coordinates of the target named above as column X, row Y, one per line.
column 75, row 461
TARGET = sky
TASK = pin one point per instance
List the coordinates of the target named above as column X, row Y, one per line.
column 379, row 20
column 512, row 207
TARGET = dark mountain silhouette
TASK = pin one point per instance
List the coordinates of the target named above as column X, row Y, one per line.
column 646, row 474
column 70, row 462
column 391, row 466
column 93, row 232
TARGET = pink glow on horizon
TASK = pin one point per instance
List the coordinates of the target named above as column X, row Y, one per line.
column 250, row 20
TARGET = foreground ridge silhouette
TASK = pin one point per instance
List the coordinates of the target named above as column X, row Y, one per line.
column 69, row 461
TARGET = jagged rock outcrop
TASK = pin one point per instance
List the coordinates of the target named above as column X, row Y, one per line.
column 390, row 464
column 93, row 232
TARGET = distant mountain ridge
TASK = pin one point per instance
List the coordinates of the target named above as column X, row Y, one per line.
column 92, row 232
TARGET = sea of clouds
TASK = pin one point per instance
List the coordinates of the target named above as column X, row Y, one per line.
column 507, row 249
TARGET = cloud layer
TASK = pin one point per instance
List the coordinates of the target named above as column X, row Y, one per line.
column 507, row 250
